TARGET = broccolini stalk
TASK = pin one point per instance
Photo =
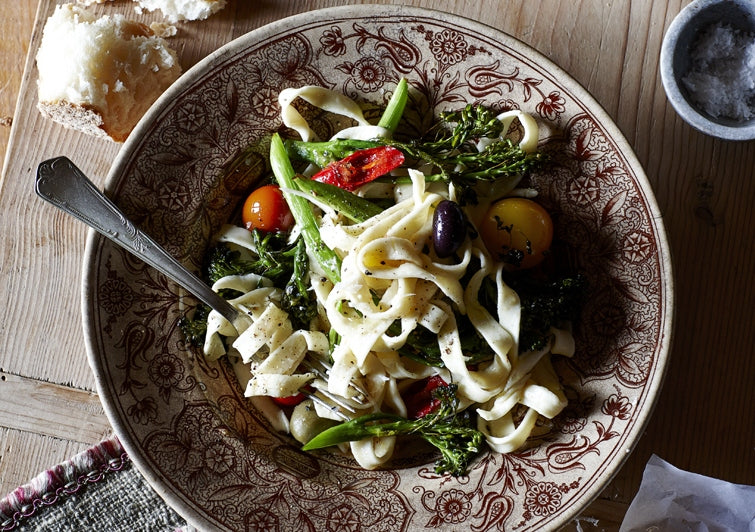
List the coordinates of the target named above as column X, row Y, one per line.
column 302, row 211
column 395, row 108
column 298, row 300
column 450, row 431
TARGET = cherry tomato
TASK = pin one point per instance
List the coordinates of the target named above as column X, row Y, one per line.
column 418, row 397
column 266, row 209
column 360, row 167
column 291, row 400
column 517, row 231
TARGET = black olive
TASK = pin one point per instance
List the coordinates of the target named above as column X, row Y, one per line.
column 449, row 228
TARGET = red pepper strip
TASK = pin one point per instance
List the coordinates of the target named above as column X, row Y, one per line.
column 418, row 397
column 360, row 167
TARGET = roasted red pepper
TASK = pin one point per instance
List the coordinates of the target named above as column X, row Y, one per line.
column 419, row 399
column 360, row 167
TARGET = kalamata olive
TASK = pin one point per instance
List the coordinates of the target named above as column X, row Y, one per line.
column 449, row 228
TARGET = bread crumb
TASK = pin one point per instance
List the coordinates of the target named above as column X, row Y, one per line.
column 161, row 29
column 100, row 75
column 179, row 10
column 721, row 80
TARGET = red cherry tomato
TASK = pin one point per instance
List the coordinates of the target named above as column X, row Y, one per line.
column 418, row 397
column 517, row 228
column 291, row 400
column 266, row 210
column 360, row 167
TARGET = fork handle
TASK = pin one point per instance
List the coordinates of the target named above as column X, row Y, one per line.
column 63, row 185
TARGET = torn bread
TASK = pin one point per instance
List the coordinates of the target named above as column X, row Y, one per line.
column 178, row 10
column 99, row 75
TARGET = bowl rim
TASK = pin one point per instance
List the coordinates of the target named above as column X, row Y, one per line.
column 230, row 49
column 670, row 77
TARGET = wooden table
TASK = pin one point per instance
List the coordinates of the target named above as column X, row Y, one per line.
column 705, row 419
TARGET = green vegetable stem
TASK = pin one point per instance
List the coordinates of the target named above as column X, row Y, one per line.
column 353, row 207
column 284, row 173
column 450, row 431
column 395, row 108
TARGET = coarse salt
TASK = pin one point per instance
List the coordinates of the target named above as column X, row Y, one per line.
column 721, row 80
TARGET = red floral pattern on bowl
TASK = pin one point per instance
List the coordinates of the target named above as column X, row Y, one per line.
column 184, row 421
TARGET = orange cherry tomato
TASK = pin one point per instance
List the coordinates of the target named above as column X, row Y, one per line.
column 266, row 210
column 517, row 231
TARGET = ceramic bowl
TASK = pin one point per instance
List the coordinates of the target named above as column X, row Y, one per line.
column 676, row 62
column 184, row 421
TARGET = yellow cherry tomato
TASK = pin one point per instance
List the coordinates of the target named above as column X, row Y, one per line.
column 517, row 231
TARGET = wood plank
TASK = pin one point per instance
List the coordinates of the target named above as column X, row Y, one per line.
column 17, row 23
column 51, row 409
column 24, row 452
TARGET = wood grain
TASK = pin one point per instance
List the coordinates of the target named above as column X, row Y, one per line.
column 39, row 407
column 705, row 419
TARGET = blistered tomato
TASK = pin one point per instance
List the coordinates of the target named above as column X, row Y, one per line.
column 360, row 167
column 266, row 210
column 419, row 399
column 517, row 231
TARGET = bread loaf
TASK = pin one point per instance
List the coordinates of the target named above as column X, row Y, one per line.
column 176, row 10
column 100, row 75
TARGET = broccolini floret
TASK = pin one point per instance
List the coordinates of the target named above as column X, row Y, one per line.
column 451, row 432
column 286, row 265
column 194, row 328
column 274, row 260
column 546, row 305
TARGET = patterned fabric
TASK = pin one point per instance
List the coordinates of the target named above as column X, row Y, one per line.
column 98, row 489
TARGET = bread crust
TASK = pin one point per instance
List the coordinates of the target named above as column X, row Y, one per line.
column 82, row 118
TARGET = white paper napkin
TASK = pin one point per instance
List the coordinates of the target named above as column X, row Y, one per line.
column 672, row 500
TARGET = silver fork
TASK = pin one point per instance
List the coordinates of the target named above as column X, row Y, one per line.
column 62, row 184
column 338, row 404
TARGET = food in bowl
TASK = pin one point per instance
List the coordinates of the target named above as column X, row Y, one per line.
column 399, row 288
